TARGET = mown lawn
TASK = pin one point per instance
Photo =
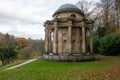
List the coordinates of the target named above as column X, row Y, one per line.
column 12, row 64
column 107, row 68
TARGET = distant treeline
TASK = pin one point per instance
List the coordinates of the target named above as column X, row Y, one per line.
column 12, row 48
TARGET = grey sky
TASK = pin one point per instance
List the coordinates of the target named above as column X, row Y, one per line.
column 25, row 18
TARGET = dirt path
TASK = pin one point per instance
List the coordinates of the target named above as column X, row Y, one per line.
column 31, row 60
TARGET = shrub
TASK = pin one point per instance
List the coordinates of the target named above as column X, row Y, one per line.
column 26, row 52
column 96, row 40
column 110, row 45
column 8, row 53
column 100, row 32
column 96, row 43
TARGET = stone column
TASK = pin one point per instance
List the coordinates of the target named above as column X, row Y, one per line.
column 46, row 40
column 83, row 39
column 49, row 42
column 70, row 37
column 78, row 41
column 55, row 38
column 91, row 40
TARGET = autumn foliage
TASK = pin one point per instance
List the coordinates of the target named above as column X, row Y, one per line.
column 21, row 42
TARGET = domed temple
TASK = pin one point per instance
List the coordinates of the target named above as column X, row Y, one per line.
column 66, row 35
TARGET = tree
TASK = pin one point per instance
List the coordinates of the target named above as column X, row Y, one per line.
column 110, row 16
column 21, row 42
column 2, row 40
column 91, row 12
column 107, row 6
column 117, row 8
column 7, row 39
column 89, row 9
column 8, row 53
column 10, row 40
column 34, row 49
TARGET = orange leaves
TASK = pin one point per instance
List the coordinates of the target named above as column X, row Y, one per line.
column 107, row 74
column 112, row 73
column 21, row 42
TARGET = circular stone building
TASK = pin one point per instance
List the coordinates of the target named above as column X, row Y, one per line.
column 66, row 35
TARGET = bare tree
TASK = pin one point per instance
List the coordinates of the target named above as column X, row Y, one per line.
column 88, row 8
column 108, row 15
column 91, row 11
column 117, row 8
column 34, row 48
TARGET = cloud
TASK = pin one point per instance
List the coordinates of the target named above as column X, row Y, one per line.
column 25, row 18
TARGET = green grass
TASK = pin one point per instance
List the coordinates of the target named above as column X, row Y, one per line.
column 12, row 64
column 108, row 68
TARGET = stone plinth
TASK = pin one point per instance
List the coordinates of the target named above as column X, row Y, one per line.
column 72, row 58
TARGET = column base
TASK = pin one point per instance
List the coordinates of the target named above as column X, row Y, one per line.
column 67, row 57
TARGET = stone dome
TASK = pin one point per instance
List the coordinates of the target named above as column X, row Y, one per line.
column 68, row 8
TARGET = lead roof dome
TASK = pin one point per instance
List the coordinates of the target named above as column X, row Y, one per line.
column 68, row 8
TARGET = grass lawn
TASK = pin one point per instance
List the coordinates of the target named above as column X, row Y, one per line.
column 12, row 64
column 108, row 68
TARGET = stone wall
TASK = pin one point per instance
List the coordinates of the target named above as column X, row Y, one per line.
column 66, row 15
column 63, row 44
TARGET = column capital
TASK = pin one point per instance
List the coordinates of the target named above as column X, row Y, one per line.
column 70, row 23
column 83, row 24
column 46, row 28
column 90, row 25
column 55, row 24
column 46, row 25
column 50, row 29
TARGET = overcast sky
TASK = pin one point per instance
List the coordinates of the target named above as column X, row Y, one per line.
column 25, row 18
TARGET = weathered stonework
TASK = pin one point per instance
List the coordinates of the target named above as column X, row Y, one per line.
column 66, row 34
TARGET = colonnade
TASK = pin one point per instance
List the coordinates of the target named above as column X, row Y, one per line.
column 48, row 41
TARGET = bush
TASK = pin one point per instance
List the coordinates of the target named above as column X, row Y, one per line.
column 96, row 43
column 8, row 53
column 100, row 32
column 110, row 45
